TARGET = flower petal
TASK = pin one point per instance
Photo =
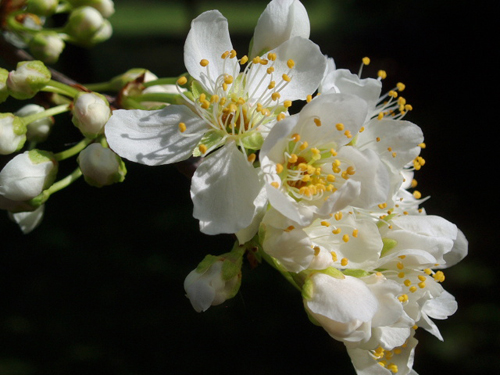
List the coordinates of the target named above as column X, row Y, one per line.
column 280, row 21
column 223, row 190
column 209, row 39
column 153, row 137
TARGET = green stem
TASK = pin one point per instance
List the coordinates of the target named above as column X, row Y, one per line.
column 61, row 184
column 61, row 88
column 100, row 86
column 73, row 150
column 47, row 113
column 17, row 26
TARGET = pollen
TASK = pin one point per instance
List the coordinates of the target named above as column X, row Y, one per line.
column 275, row 184
column 182, row 81
column 224, row 55
column 270, row 70
column 344, row 262
column 355, row 233
column 339, row 127
column 244, row 60
column 400, row 86
column 182, row 127
column 272, row 85
column 204, row 62
column 334, row 256
column 287, row 103
column 202, row 148
column 417, row 194
column 304, row 145
column 439, row 276
column 366, row 60
column 228, row 79
column 251, row 158
column 296, row 137
column 316, row 250
column 290, row 63
column 345, row 238
column 336, row 231
column 338, row 215
column 317, row 121
column 382, row 74
column 290, row 228
column 309, row 98
column 280, row 117
column 275, row 96
column 279, row 168
column 286, row 78
column 325, row 223
column 271, row 56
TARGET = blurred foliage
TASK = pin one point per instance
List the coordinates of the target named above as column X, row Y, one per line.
column 98, row 287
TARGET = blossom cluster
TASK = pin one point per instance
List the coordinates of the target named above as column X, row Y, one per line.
column 325, row 193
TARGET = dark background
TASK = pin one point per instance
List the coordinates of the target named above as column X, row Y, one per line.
column 98, row 287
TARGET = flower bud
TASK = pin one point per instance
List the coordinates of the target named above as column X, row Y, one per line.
column 42, row 7
column 101, row 166
column 118, row 82
column 28, row 78
column 46, row 46
column 84, row 23
column 38, row 130
column 90, row 114
column 103, row 34
column 215, row 280
column 27, row 175
column 105, row 7
column 12, row 133
column 4, row 94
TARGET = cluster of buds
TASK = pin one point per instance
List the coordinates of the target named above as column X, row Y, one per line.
column 87, row 24
column 28, row 178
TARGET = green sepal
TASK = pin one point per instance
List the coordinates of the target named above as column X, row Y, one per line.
column 206, row 263
column 389, row 244
column 253, row 141
column 308, row 290
column 209, row 139
column 356, row 273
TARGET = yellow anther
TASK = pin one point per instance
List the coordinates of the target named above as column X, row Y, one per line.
column 422, row 145
column 393, row 94
column 377, row 139
column 225, row 55
column 380, row 116
column 334, row 256
column 290, row 228
column 344, row 262
column 382, row 74
column 402, row 256
column 401, row 275
column 338, row 216
column 224, row 86
column 202, row 148
column 316, row 250
column 428, row 271
column 309, row 98
column 315, row 151
column 228, row 79
column 400, row 86
column 272, row 85
column 293, row 158
column 256, row 60
column 355, row 233
column 403, row 298
column 251, row 158
column 296, row 137
column 182, row 127
column 400, row 265
column 263, row 62
column 421, row 284
column 280, row 117
column 330, row 178
column 417, row 194
column 394, row 154
column 232, row 54
column 345, row 238
column 408, row 107
column 182, row 81
column 204, row 62
column 279, row 168
column 336, row 231
column 333, row 152
column 270, row 70
column 275, row 96
column 325, row 223
column 304, row 145
column 415, row 327
column 439, row 276
column 244, row 60
column 350, row 170
column 287, row 104
column 413, row 289
column 306, row 178
column 317, row 121
column 366, row 60
column 421, row 277
column 362, row 129
column 393, row 368
column 290, row 63
column 286, row 78
column 275, row 184
column 339, row 127
column 407, row 282
column 205, row 104
column 266, row 112
column 271, row 56
column 414, row 183
column 401, row 102
column 382, row 205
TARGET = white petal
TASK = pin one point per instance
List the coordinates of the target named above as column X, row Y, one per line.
column 153, row 137
column 209, row 39
column 223, row 190
column 280, row 21
column 306, row 76
column 201, row 295
column 28, row 221
column 458, row 252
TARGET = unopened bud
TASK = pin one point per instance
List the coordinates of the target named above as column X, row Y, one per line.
column 27, row 175
column 90, row 113
column 42, row 7
column 118, row 82
column 38, row 130
column 101, row 166
column 12, row 133
column 4, row 94
column 28, row 78
column 46, row 46
column 105, row 7
column 84, row 23
column 215, row 280
column 103, row 34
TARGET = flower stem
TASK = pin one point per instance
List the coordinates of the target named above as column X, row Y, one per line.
column 61, row 184
column 73, row 150
column 47, row 113
column 161, row 81
column 60, row 88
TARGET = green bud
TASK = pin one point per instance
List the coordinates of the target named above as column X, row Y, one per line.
column 4, row 94
column 100, row 166
column 42, row 7
column 83, row 24
column 46, row 46
column 28, row 78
